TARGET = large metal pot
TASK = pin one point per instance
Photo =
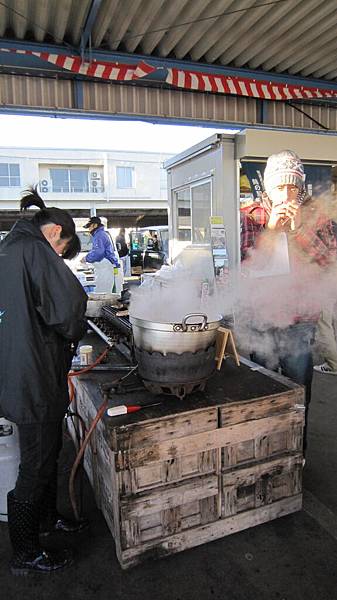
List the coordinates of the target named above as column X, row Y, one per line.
column 192, row 334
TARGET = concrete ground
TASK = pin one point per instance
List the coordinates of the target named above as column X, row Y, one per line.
column 292, row 558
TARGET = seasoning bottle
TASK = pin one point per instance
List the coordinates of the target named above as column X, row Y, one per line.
column 85, row 355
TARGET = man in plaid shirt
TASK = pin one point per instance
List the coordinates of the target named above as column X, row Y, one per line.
column 308, row 237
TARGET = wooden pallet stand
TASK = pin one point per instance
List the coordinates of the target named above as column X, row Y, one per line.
column 200, row 469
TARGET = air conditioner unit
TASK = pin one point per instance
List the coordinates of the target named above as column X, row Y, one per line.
column 95, row 175
column 94, row 183
column 44, row 189
column 44, row 182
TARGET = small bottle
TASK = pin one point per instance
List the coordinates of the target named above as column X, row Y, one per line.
column 85, row 355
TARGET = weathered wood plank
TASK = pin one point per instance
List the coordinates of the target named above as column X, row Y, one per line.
column 166, row 472
column 212, row 531
column 249, row 475
column 164, row 499
column 208, row 440
column 167, row 428
column 249, row 410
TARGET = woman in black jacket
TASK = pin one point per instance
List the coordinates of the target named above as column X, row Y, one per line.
column 43, row 315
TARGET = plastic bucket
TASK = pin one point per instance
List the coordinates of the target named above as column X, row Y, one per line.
column 9, row 462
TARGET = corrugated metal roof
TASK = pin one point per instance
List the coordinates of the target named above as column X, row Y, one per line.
column 49, row 95
column 296, row 37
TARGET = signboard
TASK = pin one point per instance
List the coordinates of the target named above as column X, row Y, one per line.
column 219, row 249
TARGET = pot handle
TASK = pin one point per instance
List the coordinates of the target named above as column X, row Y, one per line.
column 201, row 325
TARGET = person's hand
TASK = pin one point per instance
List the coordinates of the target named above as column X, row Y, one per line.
column 117, row 266
column 293, row 213
column 83, row 261
column 284, row 214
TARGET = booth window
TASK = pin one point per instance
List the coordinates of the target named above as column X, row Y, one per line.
column 183, row 212
column 201, row 201
column 125, row 177
column 9, row 175
column 67, row 180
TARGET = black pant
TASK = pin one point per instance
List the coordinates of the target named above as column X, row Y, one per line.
column 40, row 445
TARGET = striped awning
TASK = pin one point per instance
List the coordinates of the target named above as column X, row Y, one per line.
column 243, row 86
column 182, row 78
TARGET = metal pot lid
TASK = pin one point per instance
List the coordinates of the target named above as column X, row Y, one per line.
column 193, row 322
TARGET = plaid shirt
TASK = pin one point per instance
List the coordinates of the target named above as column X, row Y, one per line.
column 319, row 242
column 250, row 230
column 317, row 238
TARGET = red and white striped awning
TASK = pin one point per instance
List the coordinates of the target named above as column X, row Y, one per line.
column 182, row 78
column 243, row 86
column 114, row 71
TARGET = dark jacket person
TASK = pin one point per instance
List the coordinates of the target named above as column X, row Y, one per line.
column 42, row 308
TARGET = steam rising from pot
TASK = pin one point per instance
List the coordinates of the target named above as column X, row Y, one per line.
column 174, row 291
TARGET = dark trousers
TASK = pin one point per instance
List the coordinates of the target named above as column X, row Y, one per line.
column 289, row 350
column 40, row 445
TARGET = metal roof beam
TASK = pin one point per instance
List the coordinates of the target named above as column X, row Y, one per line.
column 88, row 27
column 23, row 62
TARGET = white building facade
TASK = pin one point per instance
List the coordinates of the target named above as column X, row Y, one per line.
column 85, row 181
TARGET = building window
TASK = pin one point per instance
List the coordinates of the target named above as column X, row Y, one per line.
column 125, row 177
column 69, row 180
column 9, row 175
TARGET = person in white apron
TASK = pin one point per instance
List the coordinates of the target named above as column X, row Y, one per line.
column 102, row 256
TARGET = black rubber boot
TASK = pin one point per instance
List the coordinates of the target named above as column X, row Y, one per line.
column 23, row 524
column 51, row 520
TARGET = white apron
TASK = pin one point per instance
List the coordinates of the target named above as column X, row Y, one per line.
column 104, row 276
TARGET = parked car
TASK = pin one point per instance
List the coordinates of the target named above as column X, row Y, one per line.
column 149, row 249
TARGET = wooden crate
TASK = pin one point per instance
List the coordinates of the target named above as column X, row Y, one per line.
column 179, row 480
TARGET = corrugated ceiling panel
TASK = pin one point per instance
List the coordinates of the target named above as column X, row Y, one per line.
column 276, row 36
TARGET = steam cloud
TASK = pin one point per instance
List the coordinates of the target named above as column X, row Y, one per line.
column 255, row 302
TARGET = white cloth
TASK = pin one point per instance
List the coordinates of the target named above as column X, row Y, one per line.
column 104, row 276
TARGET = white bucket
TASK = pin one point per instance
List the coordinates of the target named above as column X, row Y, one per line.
column 9, row 462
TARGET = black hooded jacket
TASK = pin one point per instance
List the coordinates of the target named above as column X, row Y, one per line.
column 42, row 310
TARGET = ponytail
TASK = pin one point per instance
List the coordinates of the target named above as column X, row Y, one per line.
column 31, row 198
column 48, row 216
